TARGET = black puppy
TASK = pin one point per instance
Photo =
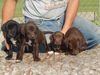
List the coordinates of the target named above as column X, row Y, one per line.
column 12, row 35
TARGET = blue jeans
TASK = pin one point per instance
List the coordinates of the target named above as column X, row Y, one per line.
column 90, row 30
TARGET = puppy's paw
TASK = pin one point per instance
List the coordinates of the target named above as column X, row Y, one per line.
column 57, row 53
column 66, row 53
column 50, row 52
column 75, row 53
column 18, row 61
column 37, row 59
column 9, row 57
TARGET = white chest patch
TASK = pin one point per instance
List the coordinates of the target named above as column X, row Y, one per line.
column 29, row 43
column 13, row 41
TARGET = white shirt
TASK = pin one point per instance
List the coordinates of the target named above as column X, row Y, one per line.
column 44, row 9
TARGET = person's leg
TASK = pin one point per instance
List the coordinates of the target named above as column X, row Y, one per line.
column 89, row 30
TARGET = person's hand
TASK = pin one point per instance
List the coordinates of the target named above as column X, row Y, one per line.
column 64, row 30
column 6, row 44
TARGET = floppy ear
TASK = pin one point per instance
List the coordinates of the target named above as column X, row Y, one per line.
column 22, row 29
column 63, row 37
column 51, row 37
column 37, row 30
column 66, row 41
column 15, row 22
column 84, row 44
column 3, row 27
column 20, row 26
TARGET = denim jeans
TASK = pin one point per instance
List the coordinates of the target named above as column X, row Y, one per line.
column 90, row 30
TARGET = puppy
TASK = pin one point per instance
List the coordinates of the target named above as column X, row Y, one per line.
column 12, row 35
column 74, row 41
column 32, row 38
column 56, row 41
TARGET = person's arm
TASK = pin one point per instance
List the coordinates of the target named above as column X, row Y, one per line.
column 8, row 13
column 8, row 10
column 70, row 14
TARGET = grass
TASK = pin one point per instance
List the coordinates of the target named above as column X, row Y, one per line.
column 90, row 6
column 18, row 12
column 85, row 5
column 19, row 8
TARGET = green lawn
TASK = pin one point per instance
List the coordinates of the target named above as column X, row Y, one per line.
column 85, row 5
column 89, row 5
column 18, row 12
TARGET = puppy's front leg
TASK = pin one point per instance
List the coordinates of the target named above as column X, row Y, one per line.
column 46, row 46
column 36, row 52
column 20, row 53
column 10, row 53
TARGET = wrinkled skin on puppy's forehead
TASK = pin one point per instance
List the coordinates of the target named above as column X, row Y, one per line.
column 30, row 30
column 11, row 26
column 31, row 26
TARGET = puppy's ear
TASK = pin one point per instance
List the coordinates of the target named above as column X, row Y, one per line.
column 16, row 25
column 52, row 37
column 9, row 22
column 22, row 29
column 63, row 37
column 37, row 30
column 3, row 27
column 20, row 26
column 66, row 41
column 84, row 45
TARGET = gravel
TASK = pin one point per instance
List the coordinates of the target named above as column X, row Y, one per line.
column 85, row 63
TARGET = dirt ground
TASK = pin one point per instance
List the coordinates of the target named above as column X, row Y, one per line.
column 85, row 63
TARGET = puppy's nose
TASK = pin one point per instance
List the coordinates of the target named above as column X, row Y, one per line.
column 32, row 36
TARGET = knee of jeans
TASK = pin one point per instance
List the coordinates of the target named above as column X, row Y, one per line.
column 92, row 42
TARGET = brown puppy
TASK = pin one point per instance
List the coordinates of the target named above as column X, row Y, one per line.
column 74, row 41
column 32, row 38
column 56, row 41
